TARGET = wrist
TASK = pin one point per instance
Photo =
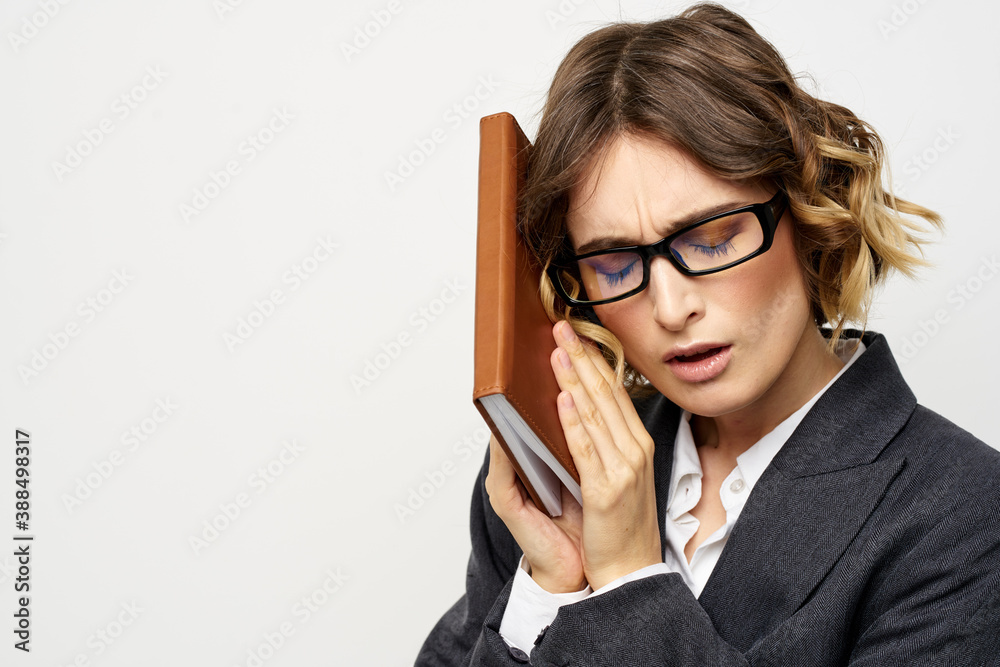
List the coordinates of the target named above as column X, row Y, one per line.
column 553, row 583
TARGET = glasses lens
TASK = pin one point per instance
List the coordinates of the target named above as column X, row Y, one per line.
column 720, row 242
column 606, row 276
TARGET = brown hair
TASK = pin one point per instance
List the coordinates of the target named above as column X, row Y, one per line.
column 707, row 83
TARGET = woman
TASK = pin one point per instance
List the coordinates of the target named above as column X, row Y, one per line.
column 759, row 485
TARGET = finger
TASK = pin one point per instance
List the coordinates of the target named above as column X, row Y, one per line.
column 501, row 481
column 591, row 370
column 499, row 463
column 597, row 357
column 618, row 388
column 596, row 405
column 571, row 519
column 581, row 446
column 602, row 366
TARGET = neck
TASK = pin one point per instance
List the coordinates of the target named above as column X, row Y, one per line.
column 811, row 367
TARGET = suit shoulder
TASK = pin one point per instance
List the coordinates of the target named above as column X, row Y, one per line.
column 940, row 433
column 936, row 448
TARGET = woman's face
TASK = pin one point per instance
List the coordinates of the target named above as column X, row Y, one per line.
column 744, row 335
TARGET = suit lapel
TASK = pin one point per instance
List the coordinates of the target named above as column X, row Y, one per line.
column 791, row 533
column 660, row 417
column 811, row 501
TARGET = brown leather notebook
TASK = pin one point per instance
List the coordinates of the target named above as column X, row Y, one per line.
column 515, row 390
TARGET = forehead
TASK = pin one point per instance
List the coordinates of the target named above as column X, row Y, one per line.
column 640, row 189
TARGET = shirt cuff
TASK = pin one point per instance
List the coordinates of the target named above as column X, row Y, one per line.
column 648, row 571
column 531, row 608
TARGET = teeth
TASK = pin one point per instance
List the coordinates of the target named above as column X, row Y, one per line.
column 694, row 354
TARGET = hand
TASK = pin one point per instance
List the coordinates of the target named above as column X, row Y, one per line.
column 551, row 546
column 613, row 453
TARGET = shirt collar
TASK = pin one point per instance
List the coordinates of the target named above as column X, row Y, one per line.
column 686, row 462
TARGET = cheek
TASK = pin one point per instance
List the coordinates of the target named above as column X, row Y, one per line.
column 617, row 319
column 633, row 325
column 772, row 295
column 777, row 312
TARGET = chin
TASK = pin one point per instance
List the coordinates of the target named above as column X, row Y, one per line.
column 709, row 406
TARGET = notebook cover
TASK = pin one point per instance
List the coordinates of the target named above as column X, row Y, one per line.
column 513, row 335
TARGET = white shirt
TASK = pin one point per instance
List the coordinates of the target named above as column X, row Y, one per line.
column 531, row 608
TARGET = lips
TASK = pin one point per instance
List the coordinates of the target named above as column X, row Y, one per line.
column 700, row 362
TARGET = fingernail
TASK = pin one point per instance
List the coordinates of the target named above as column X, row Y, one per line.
column 567, row 400
column 564, row 358
column 566, row 331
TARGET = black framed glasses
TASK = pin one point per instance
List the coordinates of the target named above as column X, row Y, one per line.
column 711, row 245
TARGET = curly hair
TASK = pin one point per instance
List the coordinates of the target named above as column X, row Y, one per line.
column 707, row 83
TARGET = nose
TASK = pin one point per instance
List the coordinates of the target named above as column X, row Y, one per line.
column 677, row 301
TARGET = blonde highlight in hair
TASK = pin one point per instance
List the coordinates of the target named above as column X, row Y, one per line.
column 609, row 344
column 707, row 83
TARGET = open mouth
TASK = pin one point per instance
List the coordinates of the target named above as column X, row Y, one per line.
column 701, row 366
column 699, row 356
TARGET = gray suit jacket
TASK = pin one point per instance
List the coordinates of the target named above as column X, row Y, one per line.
column 873, row 538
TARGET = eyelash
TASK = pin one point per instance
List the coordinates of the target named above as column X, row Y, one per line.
column 618, row 276
column 713, row 251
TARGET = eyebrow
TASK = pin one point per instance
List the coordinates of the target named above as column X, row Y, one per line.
column 609, row 242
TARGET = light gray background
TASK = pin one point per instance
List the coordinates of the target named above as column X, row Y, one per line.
column 929, row 85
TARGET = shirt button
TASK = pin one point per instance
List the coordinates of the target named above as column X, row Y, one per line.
column 518, row 655
column 737, row 486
